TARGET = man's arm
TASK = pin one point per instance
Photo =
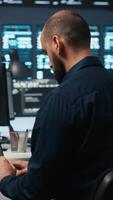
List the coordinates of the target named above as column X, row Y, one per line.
column 6, row 168
column 48, row 155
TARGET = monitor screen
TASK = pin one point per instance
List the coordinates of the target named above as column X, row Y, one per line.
column 95, row 39
column 20, row 38
column 43, row 70
column 4, row 108
column 30, row 94
column 108, row 47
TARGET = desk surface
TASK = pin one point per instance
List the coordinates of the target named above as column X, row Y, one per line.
column 17, row 155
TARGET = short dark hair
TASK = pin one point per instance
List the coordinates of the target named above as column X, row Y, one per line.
column 71, row 26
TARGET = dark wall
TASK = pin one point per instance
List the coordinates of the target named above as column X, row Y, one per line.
column 38, row 15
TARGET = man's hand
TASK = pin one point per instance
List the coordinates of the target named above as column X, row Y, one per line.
column 6, row 168
column 21, row 167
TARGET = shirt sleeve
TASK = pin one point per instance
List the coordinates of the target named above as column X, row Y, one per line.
column 48, row 157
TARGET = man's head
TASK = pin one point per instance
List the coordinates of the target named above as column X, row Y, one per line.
column 64, row 36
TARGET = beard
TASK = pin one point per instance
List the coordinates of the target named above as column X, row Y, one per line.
column 59, row 68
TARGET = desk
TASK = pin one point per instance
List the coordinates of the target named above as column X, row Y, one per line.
column 15, row 156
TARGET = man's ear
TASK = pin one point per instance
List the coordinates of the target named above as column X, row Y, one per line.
column 58, row 45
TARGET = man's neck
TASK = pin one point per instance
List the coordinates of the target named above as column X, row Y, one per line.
column 74, row 58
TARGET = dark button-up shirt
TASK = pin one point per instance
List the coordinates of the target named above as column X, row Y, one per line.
column 72, row 140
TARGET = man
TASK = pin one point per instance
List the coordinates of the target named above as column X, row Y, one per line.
column 72, row 140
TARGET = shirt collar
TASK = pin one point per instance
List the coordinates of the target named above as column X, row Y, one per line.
column 89, row 61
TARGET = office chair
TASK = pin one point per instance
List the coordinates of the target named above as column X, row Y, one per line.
column 104, row 187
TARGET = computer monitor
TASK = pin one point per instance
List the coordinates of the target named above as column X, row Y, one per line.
column 10, row 95
column 19, row 37
column 4, row 108
column 43, row 70
column 30, row 95
column 108, row 46
column 95, row 39
column 6, row 97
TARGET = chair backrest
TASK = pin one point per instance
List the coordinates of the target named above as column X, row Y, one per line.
column 104, row 188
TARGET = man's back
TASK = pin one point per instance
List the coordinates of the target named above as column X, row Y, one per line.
column 88, row 89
